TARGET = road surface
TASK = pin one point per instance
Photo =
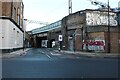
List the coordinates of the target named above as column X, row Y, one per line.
column 46, row 63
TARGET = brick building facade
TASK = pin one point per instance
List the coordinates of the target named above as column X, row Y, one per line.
column 14, row 10
column 11, row 25
column 87, row 30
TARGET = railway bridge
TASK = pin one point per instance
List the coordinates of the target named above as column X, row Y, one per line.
column 46, row 36
column 85, row 30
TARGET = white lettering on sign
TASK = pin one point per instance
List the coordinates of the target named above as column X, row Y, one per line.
column 100, row 18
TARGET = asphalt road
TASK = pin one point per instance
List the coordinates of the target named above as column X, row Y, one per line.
column 45, row 63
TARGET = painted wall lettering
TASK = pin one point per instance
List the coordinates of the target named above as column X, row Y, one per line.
column 95, row 45
column 100, row 18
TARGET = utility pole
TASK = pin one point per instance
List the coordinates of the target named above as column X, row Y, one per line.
column 70, row 6
column 107, row 6
column 109, row 46
column 98, row 3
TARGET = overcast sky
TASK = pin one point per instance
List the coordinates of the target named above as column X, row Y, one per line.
column 54, row 10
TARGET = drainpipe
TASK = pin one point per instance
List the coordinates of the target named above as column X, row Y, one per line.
column 11, row 8
column 74, row 40
column 82, row 37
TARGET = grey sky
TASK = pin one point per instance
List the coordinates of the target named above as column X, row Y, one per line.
column 54, row 10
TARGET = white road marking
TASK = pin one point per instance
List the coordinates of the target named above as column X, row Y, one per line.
column 55, row 54
column 48, row 56
column 45, row 54
column 42, row 52
column 77, row 57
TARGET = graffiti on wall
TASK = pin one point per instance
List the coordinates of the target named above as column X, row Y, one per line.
column 94, row 45
column 100, row 18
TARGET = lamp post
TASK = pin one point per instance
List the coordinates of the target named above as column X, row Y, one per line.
column 109, row 45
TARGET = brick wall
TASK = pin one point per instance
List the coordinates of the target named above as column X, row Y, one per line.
column 77, row 21
column 13, row 10
column 78, row 40
column 0, row 8
column 6, row 9
column 97, row 36
column 114, row 42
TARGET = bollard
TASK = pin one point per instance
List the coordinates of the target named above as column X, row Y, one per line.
column 59, row 49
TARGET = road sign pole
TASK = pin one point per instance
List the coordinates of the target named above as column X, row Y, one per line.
column 60, row 42
column 59, row 46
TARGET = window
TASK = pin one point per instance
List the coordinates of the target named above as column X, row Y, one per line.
column 14, row 14
column 18, row 12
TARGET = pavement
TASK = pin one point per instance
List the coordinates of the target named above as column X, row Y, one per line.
column 91, row 54
column 17, row 53
column 79, row 53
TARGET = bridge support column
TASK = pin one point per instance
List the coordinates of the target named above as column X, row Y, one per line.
column 48, row 38
column 35, row 42
column 48, row 44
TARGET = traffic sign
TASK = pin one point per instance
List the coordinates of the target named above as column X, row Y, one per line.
column 60, row 37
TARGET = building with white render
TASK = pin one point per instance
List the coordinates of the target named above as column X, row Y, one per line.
column 11, row 25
